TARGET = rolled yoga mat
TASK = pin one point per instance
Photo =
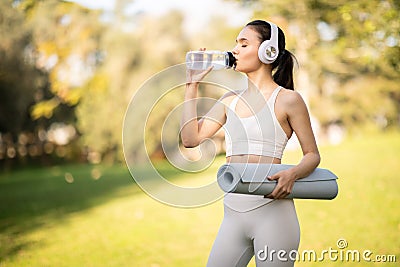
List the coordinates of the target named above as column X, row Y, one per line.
column 251, row 178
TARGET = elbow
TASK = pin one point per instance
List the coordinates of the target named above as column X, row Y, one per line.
column 189, row 143
column 317, row 158
column 314, row 158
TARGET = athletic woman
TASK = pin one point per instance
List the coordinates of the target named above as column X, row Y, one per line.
column 258, row 122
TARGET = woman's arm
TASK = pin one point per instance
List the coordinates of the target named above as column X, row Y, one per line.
column 194, row 131
column 299, row 120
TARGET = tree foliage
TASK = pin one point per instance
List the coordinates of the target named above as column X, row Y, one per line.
column 17, row 73
column 67, row 67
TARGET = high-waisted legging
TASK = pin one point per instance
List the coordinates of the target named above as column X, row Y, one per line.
column 271, row 233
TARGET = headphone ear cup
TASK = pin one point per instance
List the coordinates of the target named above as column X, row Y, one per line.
column 268, row 50
column 267, row 53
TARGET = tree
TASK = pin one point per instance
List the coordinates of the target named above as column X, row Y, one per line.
column 16, row 93
column 65, row 37
column 37, row 84
column 131, row 58
column 363, row 54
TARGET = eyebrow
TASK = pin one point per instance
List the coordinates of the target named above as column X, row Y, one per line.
column 241, row 39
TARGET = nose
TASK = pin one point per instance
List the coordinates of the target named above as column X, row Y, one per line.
column 235, row 51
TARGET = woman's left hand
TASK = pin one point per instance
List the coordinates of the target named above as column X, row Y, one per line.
column 285, row 181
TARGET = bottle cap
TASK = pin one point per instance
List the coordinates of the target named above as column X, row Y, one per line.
column 232, row 59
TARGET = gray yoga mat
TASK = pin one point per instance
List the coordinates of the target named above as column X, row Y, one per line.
column 251, row 178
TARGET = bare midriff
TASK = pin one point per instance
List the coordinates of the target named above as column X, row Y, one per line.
column 249, row 158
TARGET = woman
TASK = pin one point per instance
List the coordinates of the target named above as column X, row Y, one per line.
column 264, row 226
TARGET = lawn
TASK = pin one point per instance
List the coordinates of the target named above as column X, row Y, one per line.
column 95, row 215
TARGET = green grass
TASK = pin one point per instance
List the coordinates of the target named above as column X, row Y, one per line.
column 366, row 212
column 109, row 221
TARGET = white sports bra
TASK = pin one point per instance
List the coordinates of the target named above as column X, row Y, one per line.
column 259, row 134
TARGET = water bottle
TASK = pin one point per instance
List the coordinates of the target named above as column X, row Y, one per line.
column 201, row 60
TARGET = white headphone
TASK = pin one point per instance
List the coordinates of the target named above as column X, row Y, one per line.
column 268, row 51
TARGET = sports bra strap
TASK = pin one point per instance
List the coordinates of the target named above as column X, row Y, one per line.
column 271, row 101
column 234, row 102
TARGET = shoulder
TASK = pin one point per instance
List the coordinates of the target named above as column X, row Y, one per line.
column 290, row 97
column 292, row 103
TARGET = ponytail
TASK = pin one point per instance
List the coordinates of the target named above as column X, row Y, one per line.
column 283, row 66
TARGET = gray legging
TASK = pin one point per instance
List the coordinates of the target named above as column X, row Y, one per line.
column 271, row 233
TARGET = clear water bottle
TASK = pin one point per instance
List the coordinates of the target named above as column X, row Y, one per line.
column 201, row 60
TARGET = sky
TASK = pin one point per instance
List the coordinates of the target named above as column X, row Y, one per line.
column 196, row 13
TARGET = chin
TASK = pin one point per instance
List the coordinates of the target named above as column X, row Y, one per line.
column 239, row 68
column 244, row 70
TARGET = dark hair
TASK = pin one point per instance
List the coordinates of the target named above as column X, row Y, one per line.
column 283, row 74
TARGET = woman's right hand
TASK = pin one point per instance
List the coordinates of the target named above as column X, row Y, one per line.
column 195, row 76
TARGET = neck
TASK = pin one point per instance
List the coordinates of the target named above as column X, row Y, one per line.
column 261, row 80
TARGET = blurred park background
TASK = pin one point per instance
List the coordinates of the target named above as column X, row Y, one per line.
column 68, row 72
